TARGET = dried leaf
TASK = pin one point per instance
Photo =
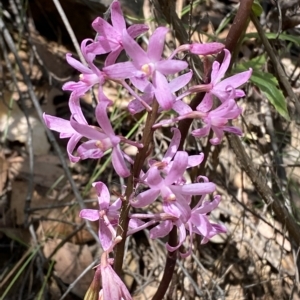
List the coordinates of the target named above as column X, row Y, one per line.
column 71, row 260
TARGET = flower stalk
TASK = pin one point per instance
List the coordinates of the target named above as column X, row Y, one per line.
column 157, row 84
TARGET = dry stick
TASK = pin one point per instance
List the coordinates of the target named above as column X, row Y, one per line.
column 69, row 29
column 136, row 169
column 9, row 41
column 233, row 36
column 280, row 74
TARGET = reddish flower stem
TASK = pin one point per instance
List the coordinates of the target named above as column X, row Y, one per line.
column 136, row 169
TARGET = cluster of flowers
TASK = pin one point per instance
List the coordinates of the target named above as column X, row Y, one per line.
column 155, row 79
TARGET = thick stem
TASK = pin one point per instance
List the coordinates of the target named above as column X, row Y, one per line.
column 136, row 169
column 169, row 267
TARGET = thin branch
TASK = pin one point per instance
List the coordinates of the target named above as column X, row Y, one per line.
column 69, row 29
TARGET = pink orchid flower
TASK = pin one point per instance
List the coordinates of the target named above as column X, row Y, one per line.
column 135, row 106
column 166, row 163
column 200, row 224
column 199, row 49
column 107, row 214
column 217, row 120
column 161, row 181
column 90, row 75
column 196, row 223
column 101, row 139
column 225, row 88
column 147, row 66
column 113, row 288
column 110, row 36
column 64, row 126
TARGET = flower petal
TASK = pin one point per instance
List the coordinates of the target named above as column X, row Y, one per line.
column 105, row 236
column 161, row 230
column 77, row 65
column 181, row 236
column 153, row 177
column 133, row 49
column 207, row 48
column 235, row 80
column 218, row 71
column 137, row 29
column 202, row 224
column 102, row 118
column 156, row 44
column 118, row 162
column 120, row 70
column 206, row 103
column 135, row 106
column 173, row 147
column 170, row 66
column 103, row 194
column 181, row 81
column 195, row 160
column 89, row 214
column 74, row 105
column 181, row 108
column 219, row 135
column 86, row 130
column 201, row 132
column 72, row 143
column 198, row 188
column 112, row 56
column 162, row 91
column 89, row 149
column 79, row 87
column 233, row 129
column 145, row 198
column 113, row 287
column 59, row 125
column 207, row 207
column 178, row 167
column 117, row 18
column 105, row 29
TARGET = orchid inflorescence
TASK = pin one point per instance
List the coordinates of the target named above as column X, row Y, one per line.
column 148, row 77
